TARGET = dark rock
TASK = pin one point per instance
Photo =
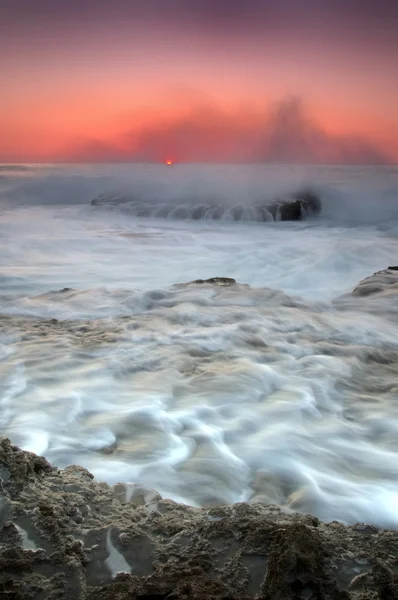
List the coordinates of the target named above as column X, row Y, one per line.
column 291, row 211
column 309, row 201
column 293, row 207
column 171, row 551
column 296, row 567
column 62, row 290
column 303, row 204
column 22, row 466
column 386, row 582
column 216, row 281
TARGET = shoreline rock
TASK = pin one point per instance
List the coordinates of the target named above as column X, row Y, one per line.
column 385, row 280
column 220, row 281
column 65, row 535
column 294, row 207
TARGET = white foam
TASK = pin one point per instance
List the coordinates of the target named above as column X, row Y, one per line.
column 27, row 543
column 116, row 563
column 275, row 392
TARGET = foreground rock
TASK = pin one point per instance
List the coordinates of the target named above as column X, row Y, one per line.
column 64, row 535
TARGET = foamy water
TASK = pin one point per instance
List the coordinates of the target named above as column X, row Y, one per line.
column 272, row 390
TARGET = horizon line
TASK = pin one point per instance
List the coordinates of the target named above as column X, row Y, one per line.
column 198, row 162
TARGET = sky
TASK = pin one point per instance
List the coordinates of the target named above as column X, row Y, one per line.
column 199, row 80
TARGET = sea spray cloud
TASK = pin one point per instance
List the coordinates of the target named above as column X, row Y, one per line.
column 291, row 135
column 285, row 133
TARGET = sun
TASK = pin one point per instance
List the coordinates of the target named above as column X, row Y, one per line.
column 169, row 163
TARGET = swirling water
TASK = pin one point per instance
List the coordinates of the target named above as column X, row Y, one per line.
column 282, row 388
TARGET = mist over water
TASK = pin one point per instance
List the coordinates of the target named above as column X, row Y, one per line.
column 281, row 389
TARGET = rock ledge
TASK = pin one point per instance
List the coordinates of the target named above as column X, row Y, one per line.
column 65, row 535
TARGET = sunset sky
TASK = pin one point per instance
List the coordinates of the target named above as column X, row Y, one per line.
column 206, row 80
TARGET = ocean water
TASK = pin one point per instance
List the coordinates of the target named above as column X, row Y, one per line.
column 281, row 389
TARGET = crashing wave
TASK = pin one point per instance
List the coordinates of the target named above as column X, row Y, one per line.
column 296, row 207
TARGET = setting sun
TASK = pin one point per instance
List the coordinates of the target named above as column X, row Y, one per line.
column 169, row 162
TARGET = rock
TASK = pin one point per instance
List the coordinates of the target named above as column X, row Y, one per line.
column 296, row 567
column 381, row 281
column 303, row 204
column 386, row 581
column 20, row 466
column 216, row 281
column 309, row 201
column 293, row 207
column 63, row 535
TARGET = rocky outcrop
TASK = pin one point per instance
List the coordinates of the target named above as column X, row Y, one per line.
column 64, row 535
column 302, row 204
column 223, row 281
column 380, row 282
column 294, row 207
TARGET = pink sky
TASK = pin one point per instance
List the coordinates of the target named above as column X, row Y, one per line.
column 112, row 81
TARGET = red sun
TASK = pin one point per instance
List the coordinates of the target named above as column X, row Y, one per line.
column 169, row 163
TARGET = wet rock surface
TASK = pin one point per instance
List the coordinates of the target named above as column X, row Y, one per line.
column 302, row 204
column 216, row 281
column 382, row 282
column 294, row 207
column 65, row 535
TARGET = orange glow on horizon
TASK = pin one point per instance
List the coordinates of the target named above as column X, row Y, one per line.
column 147, row 81
column 67, row 110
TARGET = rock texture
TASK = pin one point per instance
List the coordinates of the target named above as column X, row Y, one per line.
column 64, row 535
column 385, row 281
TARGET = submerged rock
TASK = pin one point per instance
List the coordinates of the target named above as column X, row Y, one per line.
column 65, row 535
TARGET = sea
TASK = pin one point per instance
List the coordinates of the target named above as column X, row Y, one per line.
column 279, row 389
